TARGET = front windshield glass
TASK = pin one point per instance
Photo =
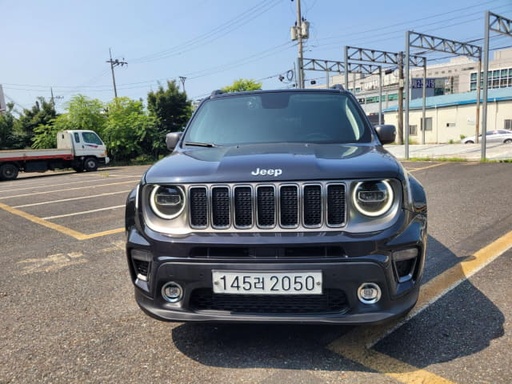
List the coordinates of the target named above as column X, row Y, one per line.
column 280, row 117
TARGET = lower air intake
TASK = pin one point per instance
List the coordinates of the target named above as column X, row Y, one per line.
column 331, row 301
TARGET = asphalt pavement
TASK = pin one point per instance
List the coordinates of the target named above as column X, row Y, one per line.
column 68, row 313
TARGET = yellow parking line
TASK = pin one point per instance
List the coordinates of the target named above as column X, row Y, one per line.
column 391, row 367
column 104, row 233
column 356, row 345
column 67, row 231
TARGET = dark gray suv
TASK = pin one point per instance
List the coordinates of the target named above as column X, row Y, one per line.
column 278, row 207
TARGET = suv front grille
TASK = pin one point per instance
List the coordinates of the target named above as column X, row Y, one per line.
column 285, row 206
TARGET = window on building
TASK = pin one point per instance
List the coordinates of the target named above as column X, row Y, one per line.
column 427, row 125
column 507, row 124
column 372, row 99
column 450, row 125
column 413, row 130
column 498, row 78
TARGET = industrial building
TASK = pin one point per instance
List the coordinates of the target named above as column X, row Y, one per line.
column 451, row 111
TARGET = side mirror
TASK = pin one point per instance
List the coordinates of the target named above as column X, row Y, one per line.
column 386, row 133
column 171, row 140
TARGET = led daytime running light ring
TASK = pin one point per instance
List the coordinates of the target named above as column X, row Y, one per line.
column 380, row 212
column 157, row 211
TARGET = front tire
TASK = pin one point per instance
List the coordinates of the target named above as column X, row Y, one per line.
column 91, row 164
column 8, row 171
column 508, row 141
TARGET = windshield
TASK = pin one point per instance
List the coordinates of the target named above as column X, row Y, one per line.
column 276, row 118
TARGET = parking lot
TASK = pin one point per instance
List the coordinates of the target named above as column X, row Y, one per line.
column 68, row 313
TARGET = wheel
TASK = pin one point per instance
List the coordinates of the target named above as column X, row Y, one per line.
column 8, row 172
column 90, row 164
column 508, row 141
column 469, row 142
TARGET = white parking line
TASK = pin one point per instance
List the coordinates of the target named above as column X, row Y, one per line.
column 71, row 199
column 69, row 183
column 65, row 190
column 83, row 212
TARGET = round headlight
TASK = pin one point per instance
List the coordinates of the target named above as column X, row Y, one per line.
column 167, row 201
column 373, row 198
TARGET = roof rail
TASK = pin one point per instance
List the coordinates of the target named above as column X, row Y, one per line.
column 217, row 92
column 338, row 86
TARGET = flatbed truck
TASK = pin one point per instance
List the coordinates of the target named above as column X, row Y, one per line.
column 81, row 150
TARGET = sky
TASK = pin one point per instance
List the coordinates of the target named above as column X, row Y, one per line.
column 62, row 46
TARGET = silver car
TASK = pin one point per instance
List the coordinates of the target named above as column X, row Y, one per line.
column 497, row 136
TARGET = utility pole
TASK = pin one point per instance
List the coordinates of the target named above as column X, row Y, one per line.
column 182, row 79
column 54, row 97
column 114, row 63
column 300, row 32
column 400, row 98
column 300, row 47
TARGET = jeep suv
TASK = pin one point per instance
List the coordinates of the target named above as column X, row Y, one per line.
column 278, row 207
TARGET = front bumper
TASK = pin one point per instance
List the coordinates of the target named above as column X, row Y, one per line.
column 363, row 259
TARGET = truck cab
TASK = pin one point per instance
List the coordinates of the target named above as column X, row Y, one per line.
column 87, row 146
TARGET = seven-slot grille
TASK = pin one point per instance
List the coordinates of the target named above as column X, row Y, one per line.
column 285, row 206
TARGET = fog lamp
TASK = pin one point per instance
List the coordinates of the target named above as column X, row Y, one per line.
column 369, row 293
column 172, row 292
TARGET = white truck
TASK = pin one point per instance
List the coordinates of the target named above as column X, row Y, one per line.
column 80, row 150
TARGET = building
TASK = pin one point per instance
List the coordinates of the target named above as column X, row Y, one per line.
column 449, row 118
column 451, row 97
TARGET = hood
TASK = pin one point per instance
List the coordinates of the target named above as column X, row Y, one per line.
column 274, row 162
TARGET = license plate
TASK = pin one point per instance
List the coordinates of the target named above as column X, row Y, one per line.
column 267, row 283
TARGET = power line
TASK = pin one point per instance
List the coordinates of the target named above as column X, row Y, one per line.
column 405, row 23
column 393, row 33
column 212, row 35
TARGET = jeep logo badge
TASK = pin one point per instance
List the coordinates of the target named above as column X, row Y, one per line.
column 267, row 172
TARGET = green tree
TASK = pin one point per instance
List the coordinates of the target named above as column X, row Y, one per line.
column 45, row 136
column 42, row 113
column 171, row 110
column 8, row 135
column 81, row 113
column 84, row 113
column 129, row 129
column 241, row 85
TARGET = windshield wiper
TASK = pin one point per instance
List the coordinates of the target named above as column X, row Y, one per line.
column 199, row 144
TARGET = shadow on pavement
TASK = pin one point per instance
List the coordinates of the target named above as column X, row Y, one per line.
column 461, row 323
